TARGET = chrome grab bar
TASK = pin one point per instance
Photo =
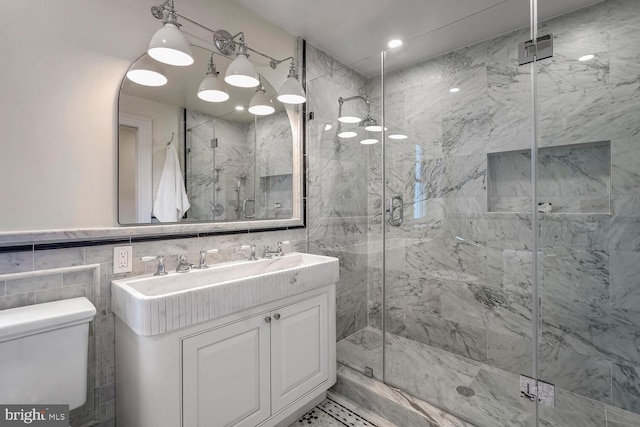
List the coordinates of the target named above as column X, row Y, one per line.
column 393, row 207
column 244, row 208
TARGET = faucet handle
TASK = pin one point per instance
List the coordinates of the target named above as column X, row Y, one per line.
column 160, row 269
column 203, row 257
column 252, row 256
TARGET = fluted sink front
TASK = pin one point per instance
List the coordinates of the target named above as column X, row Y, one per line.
column 152, row 305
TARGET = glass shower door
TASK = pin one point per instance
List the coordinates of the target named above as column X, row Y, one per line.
column 589, row 226
column 457, row 269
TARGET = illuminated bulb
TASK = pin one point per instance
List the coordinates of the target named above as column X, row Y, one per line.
column 586, row 58
column 398, row 136
column 368, row 141
column 239, row 108
column 146, row 77
column 347, row 134
column 454, row 89
column 394, row 43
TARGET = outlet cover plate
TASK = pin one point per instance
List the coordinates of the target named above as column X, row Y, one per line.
column 122, row 259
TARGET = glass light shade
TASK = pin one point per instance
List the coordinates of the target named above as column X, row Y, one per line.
column 147, row 77
column 169, row 46
column 374, row 128
column 241, row 73
column 398, row 136
column 369, row 141
column 212, row 89
column 347, row 134
column 292, row 92
column 261, row 105
column 349, row 119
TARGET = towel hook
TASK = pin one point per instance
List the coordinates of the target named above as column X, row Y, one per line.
column 171, row 140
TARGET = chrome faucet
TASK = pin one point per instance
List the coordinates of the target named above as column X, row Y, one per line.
column 203, row 257
column 160, row 269
column 268, row 252
column 252, row 255
column 183, row 265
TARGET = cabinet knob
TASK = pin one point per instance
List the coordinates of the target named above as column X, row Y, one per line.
column 276, row 316
column 267, row 319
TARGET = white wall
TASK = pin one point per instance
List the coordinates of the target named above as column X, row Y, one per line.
column 59, row 84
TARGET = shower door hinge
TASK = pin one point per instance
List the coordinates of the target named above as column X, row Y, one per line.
column 532, row 389
column 541, row 49
column 311, row 115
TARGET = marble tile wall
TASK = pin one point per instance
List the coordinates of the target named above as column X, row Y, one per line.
column 458, row 276
column 33, row 276
column 337, row 187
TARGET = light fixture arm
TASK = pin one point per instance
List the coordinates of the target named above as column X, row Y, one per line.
column 167, row 13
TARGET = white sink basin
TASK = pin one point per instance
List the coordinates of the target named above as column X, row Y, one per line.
column 152, row 305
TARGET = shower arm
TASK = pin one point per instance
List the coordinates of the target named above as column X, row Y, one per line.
column 342, row 100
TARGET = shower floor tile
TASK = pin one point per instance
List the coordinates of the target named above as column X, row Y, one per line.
column 331, row 414
column 434, row 375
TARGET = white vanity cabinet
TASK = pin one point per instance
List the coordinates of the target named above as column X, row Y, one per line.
column 261, row 367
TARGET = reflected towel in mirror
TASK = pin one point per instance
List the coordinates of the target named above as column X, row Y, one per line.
column 171, row 200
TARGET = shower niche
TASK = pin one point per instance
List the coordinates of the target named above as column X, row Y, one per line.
column 573, row 178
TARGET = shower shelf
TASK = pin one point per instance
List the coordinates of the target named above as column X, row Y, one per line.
column 573, row 178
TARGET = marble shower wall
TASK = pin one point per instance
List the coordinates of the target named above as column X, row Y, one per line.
column 337, row 187
column 458, row 276
column 234, row 157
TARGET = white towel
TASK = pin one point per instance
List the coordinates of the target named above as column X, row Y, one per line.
column 171, row 200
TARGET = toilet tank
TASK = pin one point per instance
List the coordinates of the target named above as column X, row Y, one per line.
column 44, row 353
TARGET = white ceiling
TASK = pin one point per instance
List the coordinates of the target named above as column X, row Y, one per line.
column 353, row 30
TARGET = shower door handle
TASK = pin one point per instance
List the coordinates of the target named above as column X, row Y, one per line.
column 396, row 204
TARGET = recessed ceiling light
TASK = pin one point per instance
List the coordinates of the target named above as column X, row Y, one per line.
column 398, row 136
column 586, row 58
column 327, row 127
column 239, row 108
column 454, row 89
column 394, row 43
column 347, row 134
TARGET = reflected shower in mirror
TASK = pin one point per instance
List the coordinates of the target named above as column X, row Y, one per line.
column 229, row 164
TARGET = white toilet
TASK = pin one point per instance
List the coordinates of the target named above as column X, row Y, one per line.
column 43, row 353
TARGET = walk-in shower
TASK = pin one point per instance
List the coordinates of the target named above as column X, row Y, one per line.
column 517, row 255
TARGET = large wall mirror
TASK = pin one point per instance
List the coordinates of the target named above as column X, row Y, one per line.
column 183, row 159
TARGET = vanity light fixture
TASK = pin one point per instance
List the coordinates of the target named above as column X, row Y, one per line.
column 212, row 89
column 241, row 72
column 292, row 92
column 586, row 58
column 147, row 72
column 347, row 134
column 260, row 104
column 168, row 44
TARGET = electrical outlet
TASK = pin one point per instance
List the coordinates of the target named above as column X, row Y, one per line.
column 122, row 259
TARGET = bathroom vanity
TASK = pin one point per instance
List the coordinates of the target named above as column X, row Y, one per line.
column 248, row 343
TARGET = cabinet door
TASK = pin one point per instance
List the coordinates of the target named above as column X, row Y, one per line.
column 299, row 350
column 226, row 375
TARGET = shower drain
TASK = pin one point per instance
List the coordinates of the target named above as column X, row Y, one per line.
column 465, row 391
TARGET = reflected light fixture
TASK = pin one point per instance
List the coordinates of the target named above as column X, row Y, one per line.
column 168, row 45
column 398, row 136
column 241, row 72
column 239, row 108
column 260, row 104
column 454, row 90
column 369, row 141
column 586, row 58
column 371, row 125
column 212, row 89
column 292, row 92
column 394, row 43
column 147, row 72
column 350, row 115
column 328, row 127
column 347, row 134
